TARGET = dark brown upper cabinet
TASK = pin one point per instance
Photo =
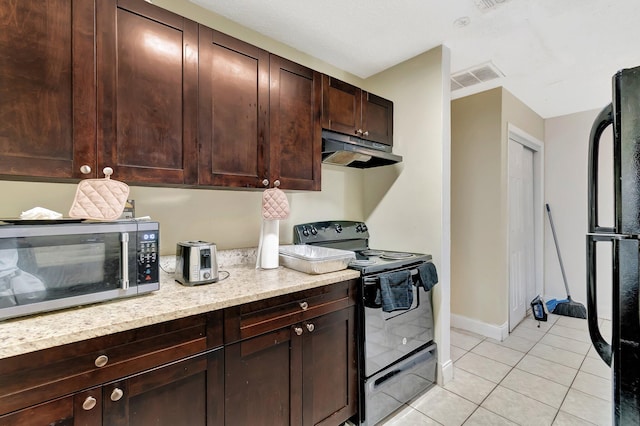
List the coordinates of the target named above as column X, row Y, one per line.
column 147, row 69
column 353, row 111
column 158, row 98
column 295, row 142
column 259, row 117
column 47, row 89
column 233, row 111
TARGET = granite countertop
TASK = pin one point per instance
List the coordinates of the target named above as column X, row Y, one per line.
column 172, row 301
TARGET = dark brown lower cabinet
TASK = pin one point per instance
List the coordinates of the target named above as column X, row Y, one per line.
column 305, row 374
column 187, row 392
column 65, row 411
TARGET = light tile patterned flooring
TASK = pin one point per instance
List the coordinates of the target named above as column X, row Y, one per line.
column 538, row 376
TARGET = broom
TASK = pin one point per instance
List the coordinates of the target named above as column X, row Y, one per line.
column 566, row 307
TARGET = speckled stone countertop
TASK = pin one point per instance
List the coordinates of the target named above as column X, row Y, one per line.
column 172, row 301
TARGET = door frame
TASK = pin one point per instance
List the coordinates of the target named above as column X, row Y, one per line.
column 520, row 136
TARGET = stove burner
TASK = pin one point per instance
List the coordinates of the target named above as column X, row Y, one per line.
column 371, row 252
column 362, row 262
column 396, row 255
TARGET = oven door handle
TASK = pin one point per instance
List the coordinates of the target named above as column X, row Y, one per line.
column 375, row 279
column 402, row 367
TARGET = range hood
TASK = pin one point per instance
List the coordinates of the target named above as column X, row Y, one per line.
column 350, row 151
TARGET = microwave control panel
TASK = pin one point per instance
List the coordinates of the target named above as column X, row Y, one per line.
column 148, row 257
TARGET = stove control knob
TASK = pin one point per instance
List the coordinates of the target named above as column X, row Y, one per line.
column 338, row 228
column 359, row 227
column 314, row 231
column 364, row 228
column 305, row 231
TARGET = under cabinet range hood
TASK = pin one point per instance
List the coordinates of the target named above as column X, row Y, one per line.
column 350, row 151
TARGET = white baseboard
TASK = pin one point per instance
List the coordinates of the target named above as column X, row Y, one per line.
column 497, row 332
column 445, row 373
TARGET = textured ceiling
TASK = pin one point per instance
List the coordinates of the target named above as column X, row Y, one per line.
column 557, row 56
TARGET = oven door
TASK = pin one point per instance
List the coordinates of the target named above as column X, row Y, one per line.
column 396, row 385
column 391, row 336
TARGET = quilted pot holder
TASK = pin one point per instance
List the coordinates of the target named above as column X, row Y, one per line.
column 100, row 199
column 274, row 204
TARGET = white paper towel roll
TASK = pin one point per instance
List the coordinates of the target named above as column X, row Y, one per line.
column 270, row 244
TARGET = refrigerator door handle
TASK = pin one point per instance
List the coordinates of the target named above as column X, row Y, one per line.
column 603, row 120
column 600, row 345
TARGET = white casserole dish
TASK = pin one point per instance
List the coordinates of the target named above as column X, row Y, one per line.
column 315, row 260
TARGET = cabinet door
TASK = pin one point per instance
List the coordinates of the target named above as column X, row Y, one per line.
column 187, row 392
column 81, row 409
column 341, row 106
column 147, row 96
column 329, row 360
column 233, row 111
column 257, row 381
column 47, row 89
column 295, row 143
column 377, row 118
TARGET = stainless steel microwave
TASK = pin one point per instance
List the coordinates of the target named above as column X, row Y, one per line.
column 44, row 267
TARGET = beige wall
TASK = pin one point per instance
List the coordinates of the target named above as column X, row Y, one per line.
column 566, row 155
column 414, row 194
column 479, row 258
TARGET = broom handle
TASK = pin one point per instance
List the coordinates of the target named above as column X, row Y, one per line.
column 555, row 240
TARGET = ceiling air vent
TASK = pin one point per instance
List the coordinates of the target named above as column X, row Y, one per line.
column 487, row 5
column 475, row 75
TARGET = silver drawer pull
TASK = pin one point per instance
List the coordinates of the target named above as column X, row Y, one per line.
column 101, row 361
column 116, row 395
column 304, row 306
column 310, row 327
column 89, row 403
column 298, row 331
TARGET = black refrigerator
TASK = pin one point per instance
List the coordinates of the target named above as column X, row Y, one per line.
column 623, row 352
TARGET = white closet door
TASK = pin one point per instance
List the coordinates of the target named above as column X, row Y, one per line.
column 521, row 231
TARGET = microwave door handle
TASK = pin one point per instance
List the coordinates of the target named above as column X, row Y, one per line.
column 600, row 345
column 602, row 121
column 124, row 272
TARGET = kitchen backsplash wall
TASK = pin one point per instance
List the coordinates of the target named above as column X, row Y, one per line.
column 229, row 218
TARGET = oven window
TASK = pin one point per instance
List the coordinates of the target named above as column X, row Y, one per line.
column 37, row 269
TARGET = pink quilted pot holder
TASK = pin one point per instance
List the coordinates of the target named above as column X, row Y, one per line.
column 100, row 199
column 274, row 204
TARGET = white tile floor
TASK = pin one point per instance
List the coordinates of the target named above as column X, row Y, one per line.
column 538, row 376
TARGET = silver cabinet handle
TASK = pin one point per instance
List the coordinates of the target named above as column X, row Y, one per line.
column 276, row 183
column 101, row 361
column 359, row 131
column 108, row 171
column 85, row 169
column 89, row 403
column 298, row 330
column 304, row 306
column 366, row 133
column 116, row 395
column 265, row 182
column 124, row 271
column 310, row 327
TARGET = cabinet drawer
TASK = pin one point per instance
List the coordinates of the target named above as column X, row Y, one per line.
column 252, row 319
column 50, row 373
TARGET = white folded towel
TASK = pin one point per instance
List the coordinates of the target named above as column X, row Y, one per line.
column 40, row 213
